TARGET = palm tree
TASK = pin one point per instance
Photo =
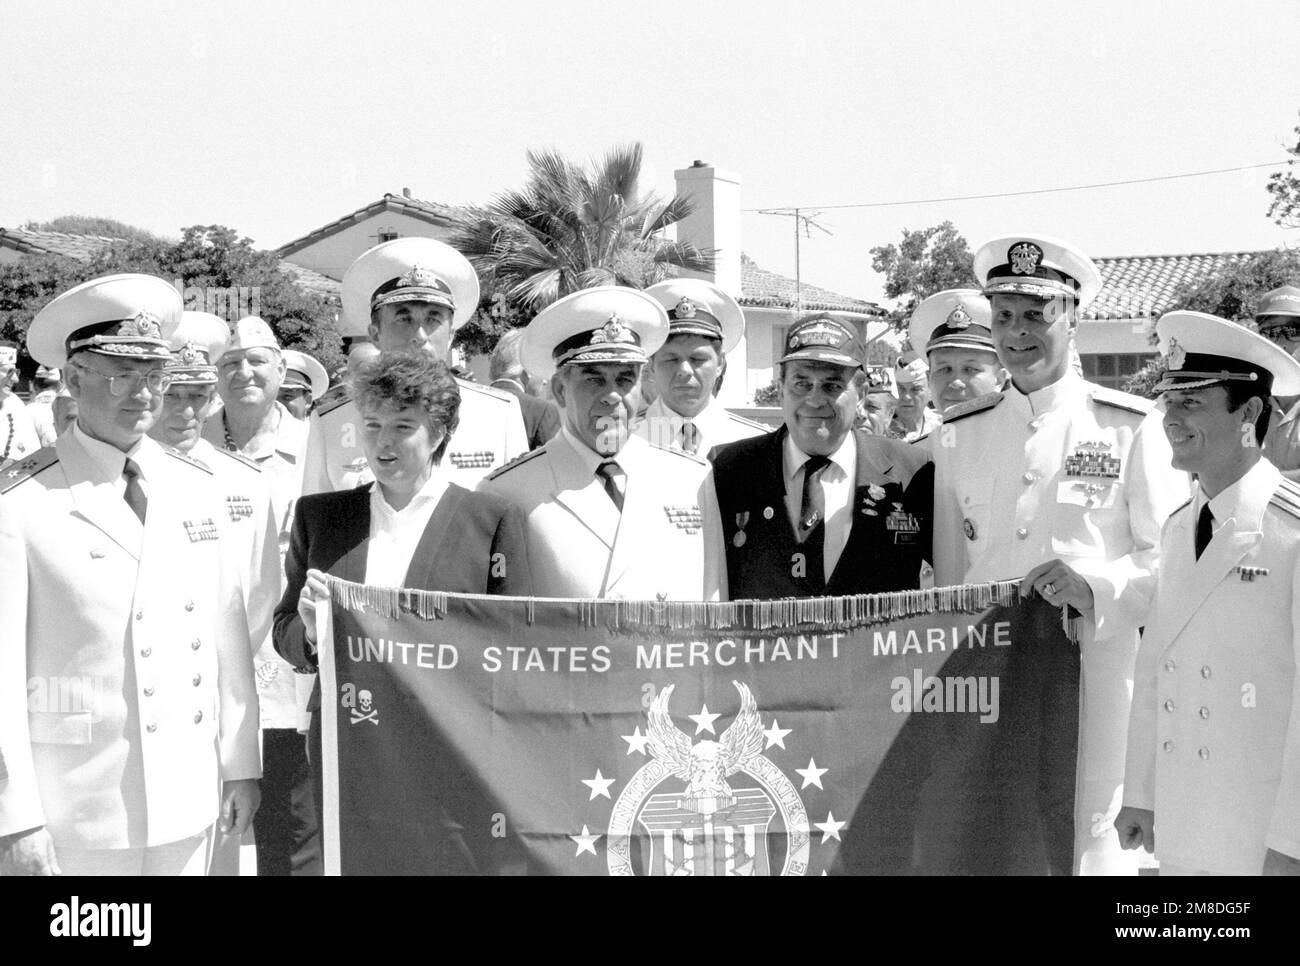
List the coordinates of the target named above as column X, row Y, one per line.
column 571, row 227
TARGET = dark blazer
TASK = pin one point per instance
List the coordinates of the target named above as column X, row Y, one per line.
column 331, row 533
column 889, row 539
column 541, row 416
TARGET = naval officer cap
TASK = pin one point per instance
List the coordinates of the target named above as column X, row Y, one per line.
column 251, row 332
column 697, row 307
column 1279, row 307
column 822, row 338
column 125, row 316
column 1036, row 265
column 957, row 318
column 304, row 372
column 408, row 270
column 609, row 323
column 1204, row 350
column 198, row 342
column 8, row 356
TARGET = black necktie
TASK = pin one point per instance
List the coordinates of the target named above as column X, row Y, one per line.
column 1204, row 530
column 690, row 437
column 611, row 475
column 134, row 494
column 812, row 504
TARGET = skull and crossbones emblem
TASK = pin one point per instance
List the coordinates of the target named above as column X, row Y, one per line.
column 367, row 711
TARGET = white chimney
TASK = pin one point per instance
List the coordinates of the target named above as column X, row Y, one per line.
column 715, row 222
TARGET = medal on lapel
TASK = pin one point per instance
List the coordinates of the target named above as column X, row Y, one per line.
column 742, row 521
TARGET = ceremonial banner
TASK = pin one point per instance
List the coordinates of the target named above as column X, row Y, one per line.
column 924, row 732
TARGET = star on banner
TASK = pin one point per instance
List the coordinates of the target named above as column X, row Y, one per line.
column 587, row 841
column 830, row 828
column 704, row 720
column 636, row 741
column 775, row 735
column 812, row 775
column 600, row 785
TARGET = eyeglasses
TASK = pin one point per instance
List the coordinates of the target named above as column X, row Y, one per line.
column 129, row 383
column 1290, row 331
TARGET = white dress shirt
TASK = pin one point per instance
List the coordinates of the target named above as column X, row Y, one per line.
column 838, row 481
column 111, row 461
column 394, row 534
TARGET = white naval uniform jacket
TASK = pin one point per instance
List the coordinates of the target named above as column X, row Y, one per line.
column 1214, row 737
column 490, row 434
column 666, row 543
column 715, row 425
column 126, row 674
column 1006, row 502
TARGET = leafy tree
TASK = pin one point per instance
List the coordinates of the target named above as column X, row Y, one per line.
column 93, row 225
column 926, row 261
column 215, row 269
column 571, row 227
column 1284, row 186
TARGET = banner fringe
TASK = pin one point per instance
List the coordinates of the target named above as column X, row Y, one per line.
column 836, row 613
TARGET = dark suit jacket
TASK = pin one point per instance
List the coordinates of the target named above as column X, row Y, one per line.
column 331, row 532
column 889, row 538
column 541, row 416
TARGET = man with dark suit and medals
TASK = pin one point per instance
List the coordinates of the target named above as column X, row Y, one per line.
column 817, row 508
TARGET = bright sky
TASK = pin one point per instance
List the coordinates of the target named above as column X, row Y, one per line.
column 276, row 117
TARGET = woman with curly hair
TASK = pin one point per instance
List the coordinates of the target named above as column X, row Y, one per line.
column 411, row 528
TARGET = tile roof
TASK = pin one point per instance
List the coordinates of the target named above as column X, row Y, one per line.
column 768, row 290
column 31, row 242
column 312, row 281
column 1143, row 286
column 431, row 211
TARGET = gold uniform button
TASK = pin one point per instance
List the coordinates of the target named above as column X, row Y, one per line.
column 1205, row 671
column 1205, row 754
column 1029, row 478
column 189, row 605
column 146, row 651
column 1022, row 533
column 195, row 644
column 139, row 615
column 198, row 716
column 148, row 692
column 1169, row 666
column 197, row 679
column 151, row 727
column 1168, row 746
column 1169, row 704
column 1204, row 713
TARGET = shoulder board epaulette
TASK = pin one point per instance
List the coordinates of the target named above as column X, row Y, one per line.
column 187, row 458
column 498, row 394
column 1180, row 508
column 329, row 405
column 1122, row 400
column 27, row 467
column 751, row 423
column 679, row 452
column 1287, row 498
column 972, row 406
column 248, row 461
column 517, row 461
